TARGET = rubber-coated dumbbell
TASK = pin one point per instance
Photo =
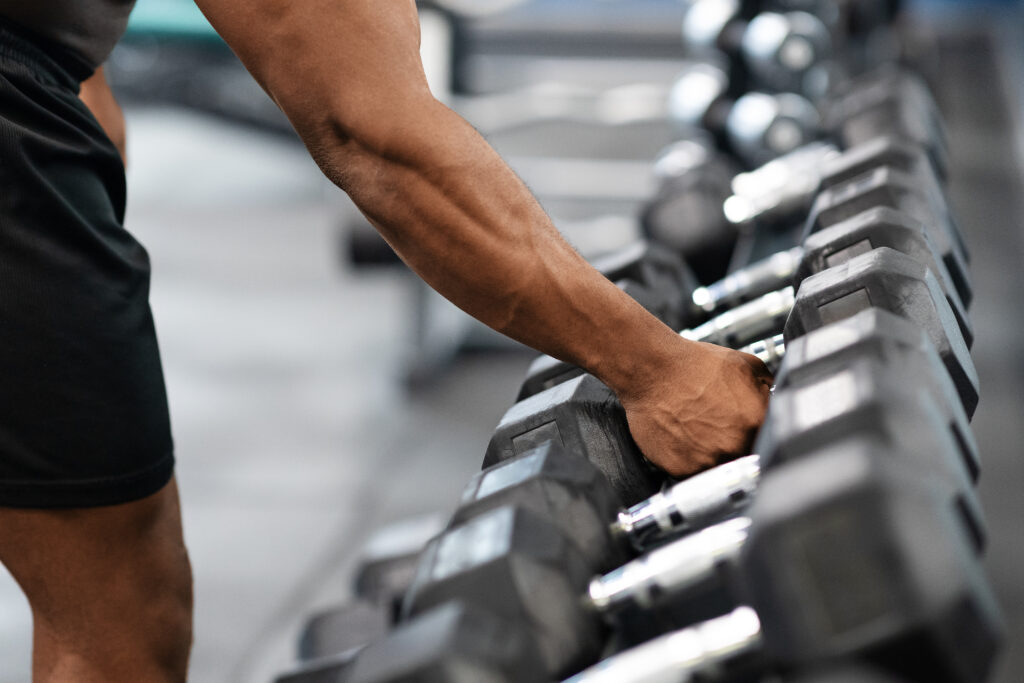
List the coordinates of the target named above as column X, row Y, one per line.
column 694, row 181
column 781, row 193
column 342, row 628
column 881, row 278
column 456, row 642
column 700, row 211
column 875, row 565
column 891, row 99
column 559, row 485
column 829, row 246
column 386, row 562
column 517, row 565
column 756, row 127
column 776, row 51
column 691, row 578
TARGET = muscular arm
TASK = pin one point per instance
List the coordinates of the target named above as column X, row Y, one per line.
column 348, row 75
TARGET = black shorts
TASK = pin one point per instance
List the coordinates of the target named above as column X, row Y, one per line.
column 83, row 409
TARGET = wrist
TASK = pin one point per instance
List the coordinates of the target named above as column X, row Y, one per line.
column 639, row 355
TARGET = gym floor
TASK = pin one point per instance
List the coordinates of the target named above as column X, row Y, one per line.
column 295, row 436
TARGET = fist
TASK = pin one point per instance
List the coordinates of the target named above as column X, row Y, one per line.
column 701, row 410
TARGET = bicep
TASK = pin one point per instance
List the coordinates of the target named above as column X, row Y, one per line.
column 329, row 64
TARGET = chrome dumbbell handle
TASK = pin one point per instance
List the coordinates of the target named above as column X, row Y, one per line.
column 700, row 501
column 707, row 651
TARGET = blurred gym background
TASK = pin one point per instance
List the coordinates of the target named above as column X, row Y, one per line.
column 318, row 391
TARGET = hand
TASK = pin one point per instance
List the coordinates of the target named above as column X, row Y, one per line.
column 703, row 411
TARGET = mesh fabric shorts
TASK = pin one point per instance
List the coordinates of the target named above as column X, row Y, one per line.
column 83, row 409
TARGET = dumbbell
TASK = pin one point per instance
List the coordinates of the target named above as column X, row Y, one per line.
column 694, row 213
column 756, row 127
column 875, row 227
column 847, row 555
column 700, row 211
column 694, row 576
column 342, row 628
column 776, row 51
column 456, row 642
column 330, row 641
column 559, row 485
column 859, row 399
column 779, row 195
column 517, row 565
column 837, row 232
column 387, row 561
column 890, row 98
column 883, row 187
column 884, row 278
column 880, row 278
column 685, row 214
column 782, row 191
column 888, row 186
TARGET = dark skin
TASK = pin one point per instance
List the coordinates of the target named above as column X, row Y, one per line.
column 460, row 218
column 349, row 77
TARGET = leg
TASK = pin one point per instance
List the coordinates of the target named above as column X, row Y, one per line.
column 110, row 589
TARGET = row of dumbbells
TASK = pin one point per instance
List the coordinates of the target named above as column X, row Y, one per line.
column 851, row 539
column 796, row 46
column 764, row 71
column 705, row 204
column 854, row 534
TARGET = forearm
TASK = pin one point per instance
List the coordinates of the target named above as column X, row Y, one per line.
column 461, row 219
column 349, row 77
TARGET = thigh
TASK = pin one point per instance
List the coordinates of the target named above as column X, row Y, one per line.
column 66, row 558
column 110, row 587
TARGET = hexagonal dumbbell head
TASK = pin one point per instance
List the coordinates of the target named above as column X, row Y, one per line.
column 456, row 642
column 566, row 489
column 519, row 566
column 887, row 279
column 585, row 417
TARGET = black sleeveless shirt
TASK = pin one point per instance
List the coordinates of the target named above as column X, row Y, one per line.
column 87, row 28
